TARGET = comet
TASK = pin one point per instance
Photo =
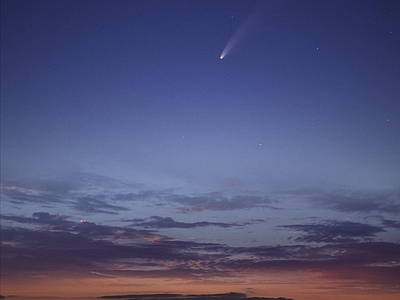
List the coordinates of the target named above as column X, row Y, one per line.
column 242, row 31
column 235, row 39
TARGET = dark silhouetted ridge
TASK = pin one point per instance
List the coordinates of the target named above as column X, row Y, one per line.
column 226, row 296
column 144, row 296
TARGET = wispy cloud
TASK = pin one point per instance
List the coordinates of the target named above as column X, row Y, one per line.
column 168, row 222
column 91, row 193
column 93, row 205
column 62, row 223
column 383, row 202
column 19, row 193
column 391, row 223
column 335, row 232
column 143, row 195
column 218, row 202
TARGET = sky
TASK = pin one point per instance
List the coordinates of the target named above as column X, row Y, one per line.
column 200, row 147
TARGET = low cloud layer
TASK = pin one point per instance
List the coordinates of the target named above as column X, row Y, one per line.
column 95, row 226
column 55, row 242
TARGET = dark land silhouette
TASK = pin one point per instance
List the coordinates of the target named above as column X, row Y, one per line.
column 226, row 296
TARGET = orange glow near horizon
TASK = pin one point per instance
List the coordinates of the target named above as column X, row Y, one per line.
column 296, row 285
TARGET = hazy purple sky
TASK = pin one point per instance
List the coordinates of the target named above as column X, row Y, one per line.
column 127, row 140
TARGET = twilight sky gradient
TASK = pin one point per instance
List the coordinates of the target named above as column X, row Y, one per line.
column 135, row 160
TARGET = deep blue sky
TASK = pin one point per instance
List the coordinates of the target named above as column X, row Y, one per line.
column 123, row 110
